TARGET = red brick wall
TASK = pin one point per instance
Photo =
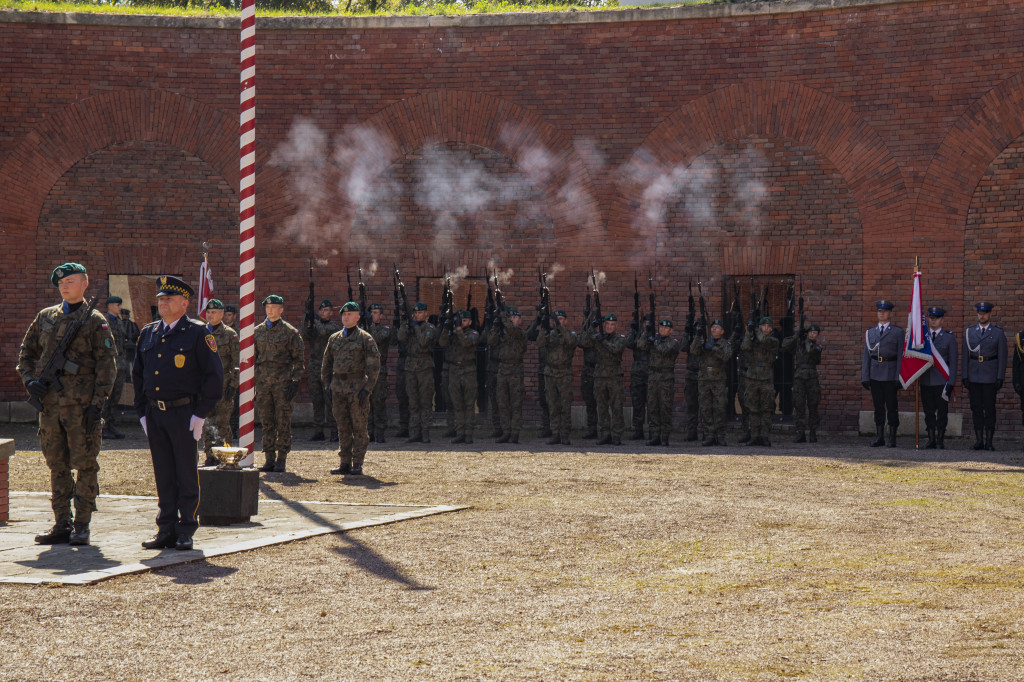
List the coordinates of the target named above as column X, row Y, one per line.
column 766, row 142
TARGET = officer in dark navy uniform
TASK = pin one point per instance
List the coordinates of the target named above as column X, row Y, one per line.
column 880, row 371
column 984, row 367
column 937, row 390
column 178, row 379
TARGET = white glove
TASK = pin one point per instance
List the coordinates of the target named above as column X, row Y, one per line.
column 195, row 425
column 142, row 420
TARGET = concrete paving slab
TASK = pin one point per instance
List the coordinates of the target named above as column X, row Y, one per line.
column 123, row 522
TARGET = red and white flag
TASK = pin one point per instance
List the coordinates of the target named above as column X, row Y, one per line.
column 919, row 355
column 205, row 287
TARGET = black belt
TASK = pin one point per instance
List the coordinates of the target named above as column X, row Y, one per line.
column 887, row 359
column 164, row 404
column 979, row 358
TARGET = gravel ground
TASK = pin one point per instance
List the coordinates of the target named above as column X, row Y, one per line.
column 834, row 561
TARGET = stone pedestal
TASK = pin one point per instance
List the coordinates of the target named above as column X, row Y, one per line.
column 6, row 450
column 228, row 496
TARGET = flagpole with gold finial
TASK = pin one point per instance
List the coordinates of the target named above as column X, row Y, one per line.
column 917, row 384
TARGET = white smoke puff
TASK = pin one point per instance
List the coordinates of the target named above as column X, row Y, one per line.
column 554, row 270
column 460, row 273
column 303, row 158
column 320, row 262
column 600, row 279
column 373, row 268
column 504, row 276
column 362, row 154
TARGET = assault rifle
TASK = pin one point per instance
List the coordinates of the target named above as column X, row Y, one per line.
column 398, row 308
column 364, row 311
column 545, row 298
column 489, row 306
column 651, row 323
column 702, row 323
column 499, row 304
column 447, row 299
column 691, row 314
column 635, row 326
column 406, row 309
column 598, row 318
column 58, row 365
column 803, row 318
column 348, row 274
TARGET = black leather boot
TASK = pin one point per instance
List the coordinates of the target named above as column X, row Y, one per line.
column 79, row 534
column 800, row 437
column 812, row 437
column 879, row 440
column 280, row 464
column 989, row 433
column 931, row 444
column 892, row 437
column 979, row 441
column 58, row 535
column 690, row 436
column 940, row 439
column 268, row 465
column 317, row 435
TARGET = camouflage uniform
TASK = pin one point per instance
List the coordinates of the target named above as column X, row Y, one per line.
column 384, row 335
column 401, row 393
column 691, row 392
column 587, row 386
column 806, row 389
column 117, row 331
column 607, row 382
column 278, row 365
column 559, row 344
column 713, row 357
column 419, row 375
column 351, row 364
column 462, row 345
column 220, row 417
column 65, row 442
column 533, row 334
column 510, row 342
column 742, row 361
column 638, row 376
column 317, row 336
column 492, row 387
column 661, row 383
column 759, row 398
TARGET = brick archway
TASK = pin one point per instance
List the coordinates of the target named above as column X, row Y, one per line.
column 785, row 110
column 966, row 153
column 507, row 128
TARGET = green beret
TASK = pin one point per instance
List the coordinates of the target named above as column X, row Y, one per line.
column 376, row 306
column 230, row 309
column 718, row 322
column 114, row 299
column 273, row 298
column 63, row 271
column 420, row 306
column 214, row 304
column 814, row 328
column 610, row 317
column 765, row 320
column 513, row 311
column 560, row 313
column 350, row 307
column 326, row 304
column 465, row 314
column 666, row 322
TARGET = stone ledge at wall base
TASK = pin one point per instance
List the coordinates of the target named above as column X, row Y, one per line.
column 867, row 424
column 6, row 452
column 17, row 412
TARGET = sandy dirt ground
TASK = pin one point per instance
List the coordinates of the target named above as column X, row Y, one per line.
column 828, row 561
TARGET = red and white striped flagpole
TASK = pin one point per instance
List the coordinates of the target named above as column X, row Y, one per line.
column 247, row 229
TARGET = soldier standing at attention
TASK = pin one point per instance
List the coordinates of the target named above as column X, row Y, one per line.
column 316, row 330
column 120, row 345
column 608, row 347
column 228, row 350
column 662, row 351
column 761, row 347
column 936, row 390
column 533, row 333
column 462, row 342
column 691, row 392
column 278, row 360
column 1018, row 369
column 178, row 380
column 491, row 376
column 510, row 342
column 418, row 336
column 713, row 354
column 806, row 389
column 350, row 367
column 131, row 336
column 559, row 345
column 230, row 315
column 984, row 367
column 879, row 371
column 384, row 335
column 70, row 422
column 638, row 375
column 587, row 380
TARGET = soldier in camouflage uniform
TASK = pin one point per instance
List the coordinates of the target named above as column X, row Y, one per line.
column 279, row 368
column 316, row 330
column 638, row 375
column 70, row 421
column 533, row 333
column 492, row 380
column 662, row 351
column 462, row 342
column 806, row 389
column 713, row 353
column 510, row 341
column 384, row 335
column 227, row 349
column 559, row 343
column 609, row 347
column 351, row 367
column 231, row 320
column 401, row 393
column 117, row 330
column 691, row 392
column 419, row 336
column 761, row 347
column 587, row 383
column 131, row 336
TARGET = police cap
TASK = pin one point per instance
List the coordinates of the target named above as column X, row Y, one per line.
column 884, row 305
column 169, row 285
column 936, row 311
column 984, row 307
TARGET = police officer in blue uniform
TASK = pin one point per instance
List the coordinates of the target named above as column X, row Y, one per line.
column 178, row 380
column 984, row 367
column 937, row 390
column 880, row 371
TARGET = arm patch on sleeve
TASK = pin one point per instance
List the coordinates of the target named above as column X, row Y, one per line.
column 211, row 342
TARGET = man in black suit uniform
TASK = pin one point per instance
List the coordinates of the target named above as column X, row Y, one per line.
column 178, row 379
column 937, row 390
column 984, row 367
